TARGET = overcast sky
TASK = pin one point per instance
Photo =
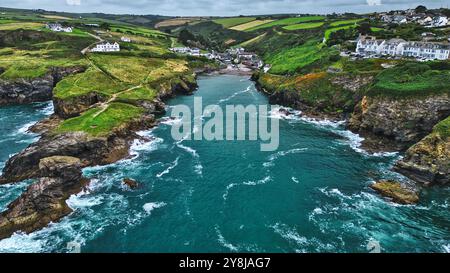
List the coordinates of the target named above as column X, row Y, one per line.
column 220, row 7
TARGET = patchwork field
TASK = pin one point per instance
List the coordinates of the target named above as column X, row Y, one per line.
column 289, row 21
column 177, row 22
column 304, row 26
column 234, row 21
column 21, row 25
column 251, row 25
column 254, row 40
column 345, row 22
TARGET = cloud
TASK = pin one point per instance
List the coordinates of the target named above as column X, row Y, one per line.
column 374, row 2
column 73, row 2
column 221, row 7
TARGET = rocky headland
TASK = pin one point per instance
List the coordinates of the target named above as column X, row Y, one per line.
column 20, row 91
column 57, row 159
column 387, row 124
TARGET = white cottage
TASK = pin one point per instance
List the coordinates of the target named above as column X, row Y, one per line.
column 106, row 47
column 59, row 28
column 369, row 46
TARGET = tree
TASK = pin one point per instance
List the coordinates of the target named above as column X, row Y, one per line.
column 364, row 28
column 185, row 36
column 446, row 12
column 105, row 26
column 421, row 9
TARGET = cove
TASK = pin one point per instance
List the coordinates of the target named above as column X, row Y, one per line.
column 310, row 195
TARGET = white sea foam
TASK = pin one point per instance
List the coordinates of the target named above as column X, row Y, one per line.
column 224, row 242
column 187, row 149
column 279, row 112
column 147, row 143
column 259, row 182
column 229, row 187
column 290, row 234
column 171, row 121
column 295, row 180
column 249, row 88
column 21, row 243
column 149, row 207
column 83, row 200
column 24, row 129
column 166, row 171
column 274, row 157
column 49, row 109
column 198, row 168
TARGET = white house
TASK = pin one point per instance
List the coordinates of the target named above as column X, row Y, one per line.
column 125, row 39
column 439, row 21
column 59, row 28
column 392, row 47
column 187, row 50
column 106, row 47
column 426, row 50
column 370, row 46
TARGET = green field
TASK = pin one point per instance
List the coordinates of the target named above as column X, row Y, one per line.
column 289, row 21
column 345, row 22
column 99, row 121
column 411, row 79
column 290, row 61
column 234, row 21
column 329, row 31
column 376, row 29
column 304, row 26
column 25, row 58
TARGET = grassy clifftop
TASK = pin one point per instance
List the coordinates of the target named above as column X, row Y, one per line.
column 110, row 92
column 412, row 80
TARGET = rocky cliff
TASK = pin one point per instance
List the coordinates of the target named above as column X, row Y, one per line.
column 56, row 159
column 44, row 201
column 20, row 91
column 386, row 123
column 427, row 162
column 396, row 124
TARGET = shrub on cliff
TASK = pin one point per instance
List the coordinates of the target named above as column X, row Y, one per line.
column 412, row 79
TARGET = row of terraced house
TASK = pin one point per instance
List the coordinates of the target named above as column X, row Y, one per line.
column 368, row 46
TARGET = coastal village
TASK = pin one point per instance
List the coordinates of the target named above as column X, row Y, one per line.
column 234, row 58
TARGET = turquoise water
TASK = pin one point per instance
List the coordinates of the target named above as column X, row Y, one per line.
column 311, row 195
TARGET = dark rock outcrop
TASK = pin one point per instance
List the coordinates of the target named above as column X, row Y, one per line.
column 44, row 201
column 56, row 160
column 130, row 183
column 427, row 162
column 72, row 107
column 21, row 91
column 397, row 192
column 90, row 150
column 400, row 122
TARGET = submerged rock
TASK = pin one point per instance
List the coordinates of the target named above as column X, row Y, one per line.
column 130, row 183
column 396, row 191
column 45, row 201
